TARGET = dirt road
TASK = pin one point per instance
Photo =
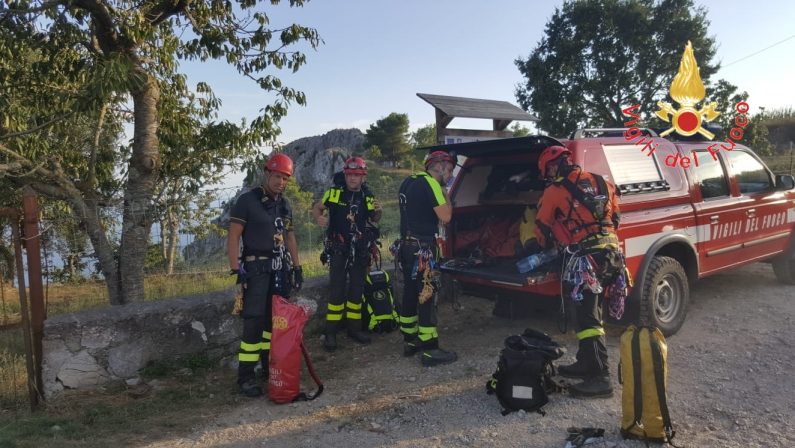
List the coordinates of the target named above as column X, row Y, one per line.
column 731, row 383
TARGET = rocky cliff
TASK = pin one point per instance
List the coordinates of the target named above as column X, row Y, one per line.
column 317, row 158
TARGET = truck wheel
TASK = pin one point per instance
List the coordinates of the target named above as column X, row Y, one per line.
column 784, row 267
column 663, row 301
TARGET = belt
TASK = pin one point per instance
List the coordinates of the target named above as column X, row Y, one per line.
column 422, row 239
column 255, row 258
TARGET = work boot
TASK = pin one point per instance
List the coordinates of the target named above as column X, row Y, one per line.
column 330, row 341
column 437, row 356
column 591, row 359
column 575, row 370
column 251, row 389
column 411, row 347
column 597, row 386
column 355, row 332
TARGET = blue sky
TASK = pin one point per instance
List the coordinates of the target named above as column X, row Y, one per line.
column 378, row 54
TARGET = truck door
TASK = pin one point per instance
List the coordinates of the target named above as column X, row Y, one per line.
column 719, row 216
column 764, row 210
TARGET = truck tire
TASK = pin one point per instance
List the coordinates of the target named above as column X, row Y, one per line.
column 665, row 295
column 784, row 268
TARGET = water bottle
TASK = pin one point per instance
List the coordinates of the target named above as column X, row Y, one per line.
column 532, row 262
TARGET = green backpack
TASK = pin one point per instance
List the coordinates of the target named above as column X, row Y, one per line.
column 379, row 313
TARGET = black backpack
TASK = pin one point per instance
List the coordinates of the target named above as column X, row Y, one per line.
column 523, row 379
column 378, row 311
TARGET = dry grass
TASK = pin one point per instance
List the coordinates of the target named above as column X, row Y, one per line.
column 183, row 396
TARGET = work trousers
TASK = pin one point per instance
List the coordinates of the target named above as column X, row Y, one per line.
column 592, row 351
column 257, row 315
column 417, row 321
column 346, row 289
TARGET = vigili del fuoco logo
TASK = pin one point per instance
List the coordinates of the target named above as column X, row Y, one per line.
column 688, row 91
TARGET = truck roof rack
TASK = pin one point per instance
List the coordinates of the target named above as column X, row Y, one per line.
column 583, row 133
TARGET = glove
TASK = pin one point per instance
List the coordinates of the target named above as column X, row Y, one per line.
column 298, row 277
column 240, row 272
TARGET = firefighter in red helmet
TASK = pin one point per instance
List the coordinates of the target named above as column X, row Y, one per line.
column 267, row 265
column 579, row 211
column 423, row 205
column 351, row 206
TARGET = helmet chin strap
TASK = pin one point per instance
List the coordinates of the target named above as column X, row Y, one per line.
column 566, row 166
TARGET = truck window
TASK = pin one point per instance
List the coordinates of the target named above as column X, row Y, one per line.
column 711, row 176
column 751, row 175
column 633, row 171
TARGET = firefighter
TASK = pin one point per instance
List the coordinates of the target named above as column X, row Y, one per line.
column 268, row 264
column 350, row 207
column 579, row 212
column 423, row 205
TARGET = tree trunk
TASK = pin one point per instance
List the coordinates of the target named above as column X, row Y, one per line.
column 87, row 211
column 89, row 215
column 71, row 266
column 143, row 172
column 173, row 235
column 163, row 242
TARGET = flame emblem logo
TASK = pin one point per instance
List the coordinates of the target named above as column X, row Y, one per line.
column 688, row 90
column 279, row 323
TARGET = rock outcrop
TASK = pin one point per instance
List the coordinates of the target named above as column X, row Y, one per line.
column 317, row 158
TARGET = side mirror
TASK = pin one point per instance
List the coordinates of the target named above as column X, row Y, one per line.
column 785, row 182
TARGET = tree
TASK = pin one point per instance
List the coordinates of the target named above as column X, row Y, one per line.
column 391, row 135
column 424, row 136
column 519, row 130
column 600, row 56
column 103, row 62
column 781, row 125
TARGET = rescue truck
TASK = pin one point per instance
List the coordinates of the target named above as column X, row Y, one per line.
column 723, row 210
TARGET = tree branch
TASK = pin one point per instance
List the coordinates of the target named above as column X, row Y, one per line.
column 106, row 34
column 50, row 190
column 164, row 10
column 37, row 128
column 92, row 159
column 44, row 6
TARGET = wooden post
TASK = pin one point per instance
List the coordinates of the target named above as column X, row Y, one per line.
column 23, row 303
column 33, row 248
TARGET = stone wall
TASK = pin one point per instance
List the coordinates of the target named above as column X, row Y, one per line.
column 87, row 349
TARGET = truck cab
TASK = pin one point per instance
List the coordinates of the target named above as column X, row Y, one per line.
column 679, row 222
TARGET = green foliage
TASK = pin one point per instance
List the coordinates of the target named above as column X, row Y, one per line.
column 306, row 231
column 781, row 114
column 518, row 130
column 599, row 56
column 391, row 135
column 424, row 136
column 780, row 124
column 72, row 74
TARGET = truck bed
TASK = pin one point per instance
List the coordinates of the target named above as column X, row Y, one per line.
column 502, row 270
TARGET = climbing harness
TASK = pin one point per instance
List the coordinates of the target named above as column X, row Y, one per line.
column 282, row 261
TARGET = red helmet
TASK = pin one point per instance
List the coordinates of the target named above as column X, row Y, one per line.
column 280, row 163
column 550, row 154
column 355, row 165
column 439, row 156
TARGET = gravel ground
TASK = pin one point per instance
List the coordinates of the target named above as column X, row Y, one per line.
column 730, row 383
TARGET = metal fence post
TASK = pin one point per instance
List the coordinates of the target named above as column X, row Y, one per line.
column 23, row 304
column 33, row 248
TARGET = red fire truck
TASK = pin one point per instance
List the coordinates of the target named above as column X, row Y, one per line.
column 677, row 224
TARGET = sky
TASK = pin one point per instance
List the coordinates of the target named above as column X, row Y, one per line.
column 378, row 54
